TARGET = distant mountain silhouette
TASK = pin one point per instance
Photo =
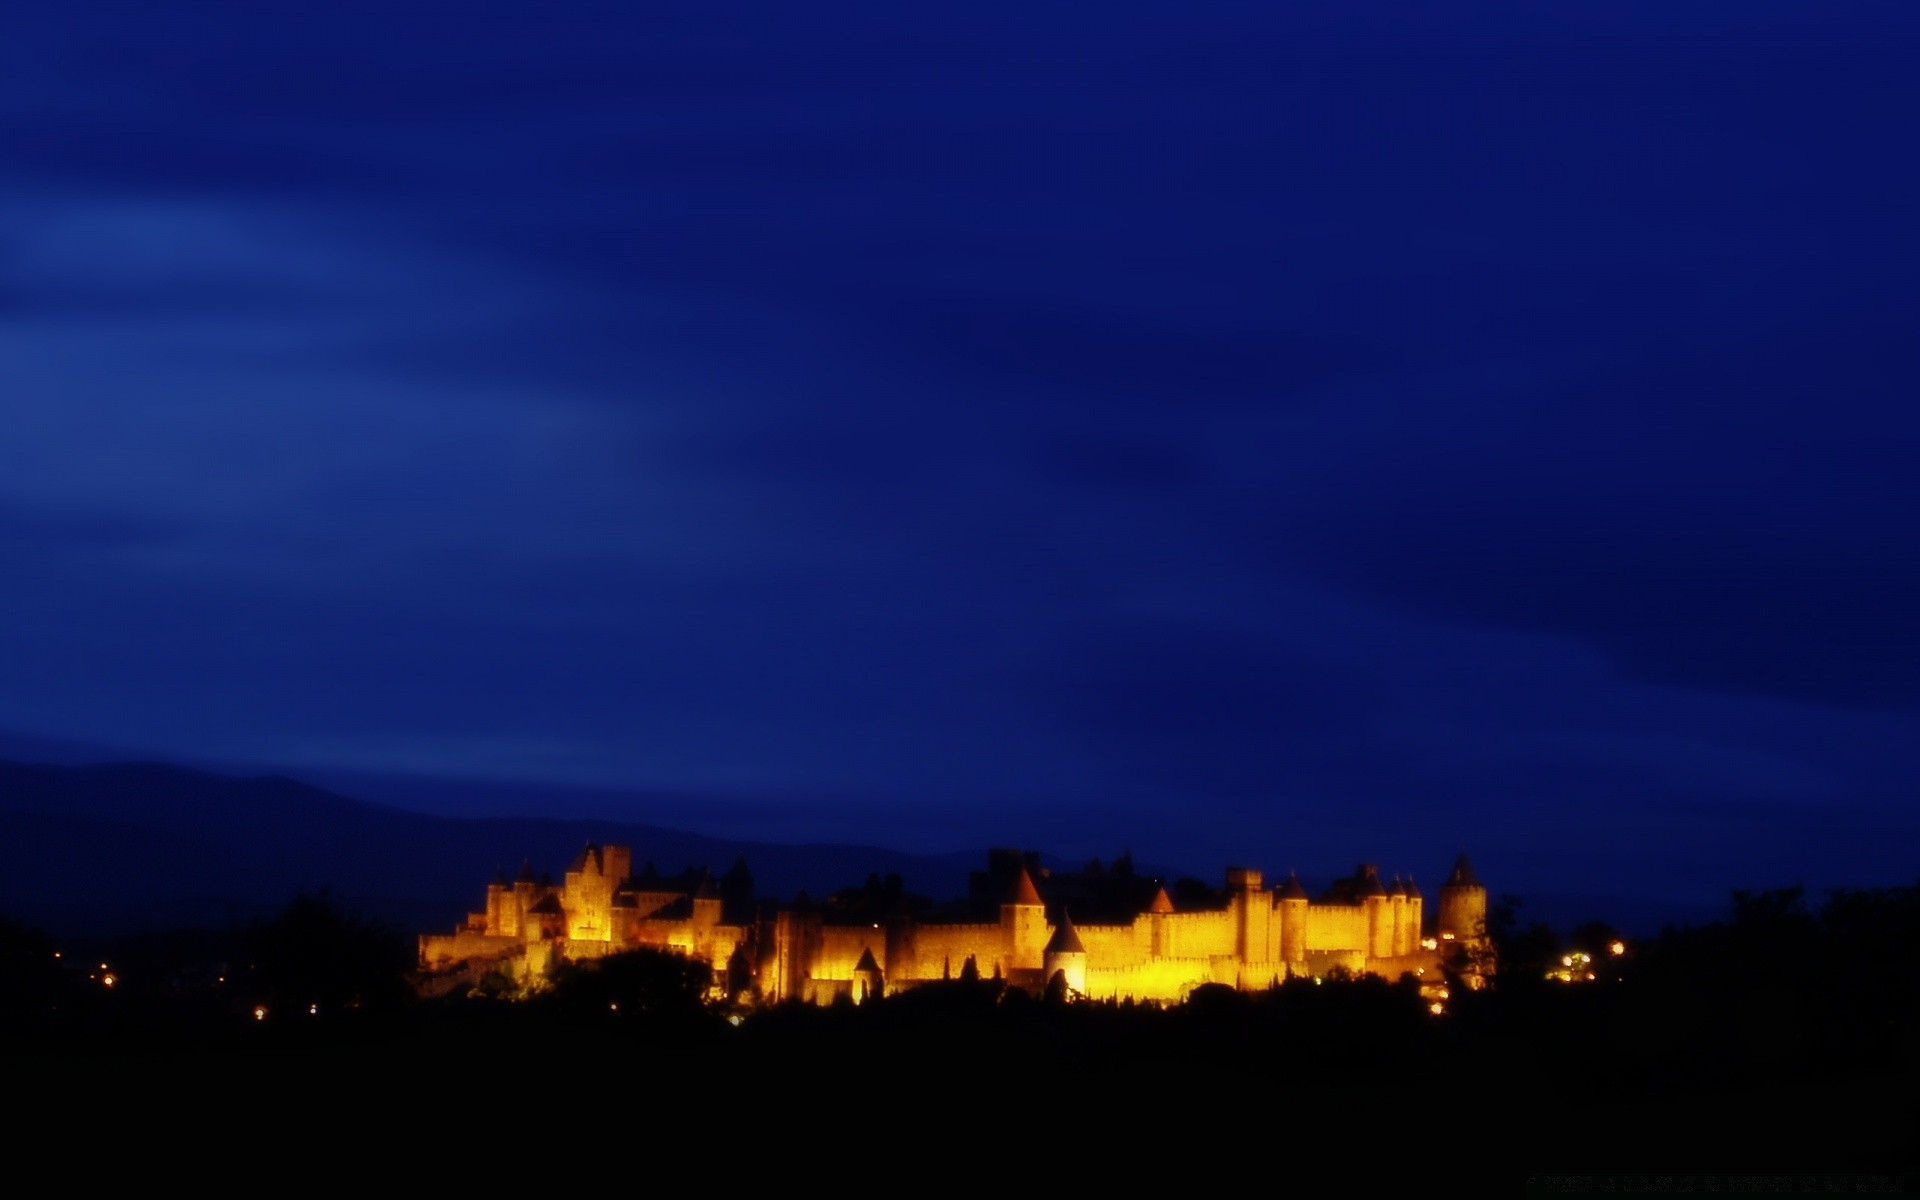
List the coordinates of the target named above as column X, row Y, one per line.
column 93, row 841
column 102, row 849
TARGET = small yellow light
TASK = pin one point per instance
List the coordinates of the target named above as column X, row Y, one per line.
column 1616, row 948
column 109, row 980
column 259, row 1012
column 1436, row 1008
column 313, row 1010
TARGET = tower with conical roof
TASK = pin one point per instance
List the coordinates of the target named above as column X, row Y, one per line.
column 1023, row 925
column 1159, row 910
column 869, row 983
column 1066, row 957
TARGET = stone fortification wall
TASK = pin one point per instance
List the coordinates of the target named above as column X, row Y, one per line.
column 443, row 950
column 1115, row 945
column 1164, row 981
column 1198, row 934
column 841, row 947
column 1336, row 927
column 1327, row 962
column 944, row 948
column 660, row 933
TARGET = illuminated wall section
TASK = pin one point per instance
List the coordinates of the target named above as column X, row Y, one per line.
column 943, row 948
column 1336, row 927
column 1162, row 981
column 841, row 947
column 1116, row 945
column 1198, row 934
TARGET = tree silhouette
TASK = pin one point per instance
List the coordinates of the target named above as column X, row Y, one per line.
column 645, row 982
column 317, row 954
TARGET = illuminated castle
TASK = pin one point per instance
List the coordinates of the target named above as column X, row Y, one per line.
column 1129, row 939
column 1101, row 933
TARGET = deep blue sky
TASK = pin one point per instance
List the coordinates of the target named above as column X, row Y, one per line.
column 1286, row 433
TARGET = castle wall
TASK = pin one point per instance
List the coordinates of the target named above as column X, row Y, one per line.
column 1422, row 963
column 1199, row 934
column 660, row 933
column 841, row 947
column 1162, row 981
column 941, row 948
column 1326, row 962
column 1336, row 927
column 646, row 904
column 439, row 951
column 1116, row 945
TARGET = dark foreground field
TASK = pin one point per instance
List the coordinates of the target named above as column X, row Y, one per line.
column 1777, row 1052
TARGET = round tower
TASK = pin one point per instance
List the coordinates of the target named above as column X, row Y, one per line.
column 1462, row 915
column 868, row 982
column 1373, row 894
column 1397, row 900
column 1293, row 924
column 1066, row 956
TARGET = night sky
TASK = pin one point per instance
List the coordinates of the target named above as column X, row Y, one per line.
column 1274, row 433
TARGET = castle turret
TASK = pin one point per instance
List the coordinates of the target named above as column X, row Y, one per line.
column 707, row 909
column 1397, row 905
column 1251, row 914
column 1023, row 924
column 1292, row 905
column 1066, row 957
column 1463, row 905
column 1373, row 895
column 514, row 905
column 1416, row 916
column 1158, row 910
column 868, row 981
column 589, row 897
